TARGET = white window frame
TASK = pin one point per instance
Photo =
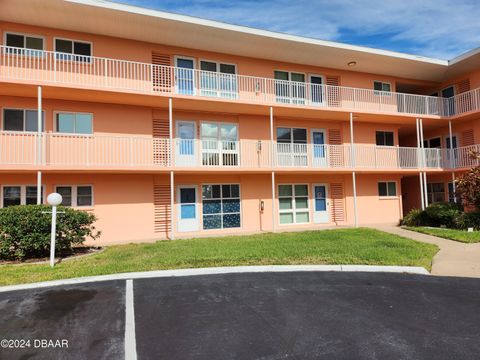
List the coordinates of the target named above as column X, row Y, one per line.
column 291, row 138
column 217, row 65
column 293, row 210
column 385, row 131
column 431, row 138
column 2, row 122
column 200, row 195
column 219, row 124
column 430, row 194
column 72, row 40
column 23, row 192
column 55, row 128
column 382, row 92
column 74, row 195
column 25, row 35
column 388, row 196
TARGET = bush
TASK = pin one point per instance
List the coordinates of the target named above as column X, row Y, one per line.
column 468, row 219
column 25, row 231
column 442, row 214
column 415, row 217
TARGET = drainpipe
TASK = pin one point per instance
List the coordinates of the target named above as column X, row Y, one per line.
column 354, row 180
column 39, row 144
column 272, row 157
column 419, row 158
column 452, row 160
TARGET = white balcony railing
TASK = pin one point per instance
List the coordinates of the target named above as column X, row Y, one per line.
column 118, row 151
column 103, row 73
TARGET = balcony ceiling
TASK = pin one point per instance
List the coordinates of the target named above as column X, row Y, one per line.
column 124, row 21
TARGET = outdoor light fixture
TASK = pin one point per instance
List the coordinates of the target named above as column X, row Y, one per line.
column 352, row 63
column 53, row 199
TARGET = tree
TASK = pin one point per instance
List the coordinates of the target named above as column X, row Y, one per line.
column 468, row 184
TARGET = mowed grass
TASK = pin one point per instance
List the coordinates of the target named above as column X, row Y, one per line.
column 342, row 246
column 451, row 234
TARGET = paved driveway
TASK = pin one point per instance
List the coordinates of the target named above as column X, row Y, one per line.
column 298, row 315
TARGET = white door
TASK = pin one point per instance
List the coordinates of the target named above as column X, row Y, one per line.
column 185, row 152
column 317, row 93
column 185, row 76
column 451, row 157
column 319, row 149
column 320, row 205
column 187, row 208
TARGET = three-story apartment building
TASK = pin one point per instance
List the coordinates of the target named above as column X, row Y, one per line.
column 170, row 126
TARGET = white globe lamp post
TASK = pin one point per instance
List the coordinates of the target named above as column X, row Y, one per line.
column 53, row 199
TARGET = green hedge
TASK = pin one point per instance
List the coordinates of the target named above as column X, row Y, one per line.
column 25, row 231
column 443, row 214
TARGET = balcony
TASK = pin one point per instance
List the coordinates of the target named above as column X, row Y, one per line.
column 104, row 152
column 52, row 68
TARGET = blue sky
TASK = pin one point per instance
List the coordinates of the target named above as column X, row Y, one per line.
column 435, row 28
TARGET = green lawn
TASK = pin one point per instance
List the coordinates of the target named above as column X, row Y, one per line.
column 342, row 246
column 452, row 234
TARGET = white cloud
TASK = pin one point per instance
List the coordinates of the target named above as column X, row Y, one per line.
column 437, row 28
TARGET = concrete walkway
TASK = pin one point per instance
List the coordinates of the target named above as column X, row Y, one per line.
column 453, row 259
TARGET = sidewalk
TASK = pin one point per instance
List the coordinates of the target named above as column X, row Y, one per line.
column 453, row 259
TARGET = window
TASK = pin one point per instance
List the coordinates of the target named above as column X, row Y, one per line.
column 20, row 195
column 381, row 86
column 219, row 143
column 223, row 83
column 221, row 206
column 73, row 50
column 74, row 123
column 289, row 87
column 384, row 138
column 435, row 192
column 453, row 197
column 293, row 204
column 291, row 135
column 21, row 120
column 387, row 188
column 76, row 195
column 30, row 44
column 434, row 143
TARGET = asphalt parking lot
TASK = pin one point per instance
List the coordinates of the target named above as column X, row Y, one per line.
column 292, row 315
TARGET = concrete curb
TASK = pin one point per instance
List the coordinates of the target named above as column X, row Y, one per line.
column 219, row 270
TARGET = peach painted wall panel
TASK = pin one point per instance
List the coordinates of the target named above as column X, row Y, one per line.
column 107, row 118
column 140, row 51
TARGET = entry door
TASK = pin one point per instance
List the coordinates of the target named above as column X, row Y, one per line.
column 320, row 214
column 319, row 149
column 449, row 94
column 185, row 76
column 185, row 144
column 187, row 208
column 316, row 89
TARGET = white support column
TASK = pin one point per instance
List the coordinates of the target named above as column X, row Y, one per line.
column 272, row 159
column 452, row 159
column 274, row 222
column 172, row 208
column 170, row 130
column 354, row 178
column 39, row 187
column 420, row 161
column 425, row 193
column 39, row 144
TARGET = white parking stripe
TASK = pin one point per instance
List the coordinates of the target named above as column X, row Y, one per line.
column 130, row 341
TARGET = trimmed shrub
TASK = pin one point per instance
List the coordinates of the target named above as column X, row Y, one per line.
column 442, row 214
column 25, row 231
column 468, row 219
column 415, row 217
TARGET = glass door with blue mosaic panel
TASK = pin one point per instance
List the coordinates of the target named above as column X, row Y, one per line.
column 221, row 206
column 188, row 218
column 320, row 213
